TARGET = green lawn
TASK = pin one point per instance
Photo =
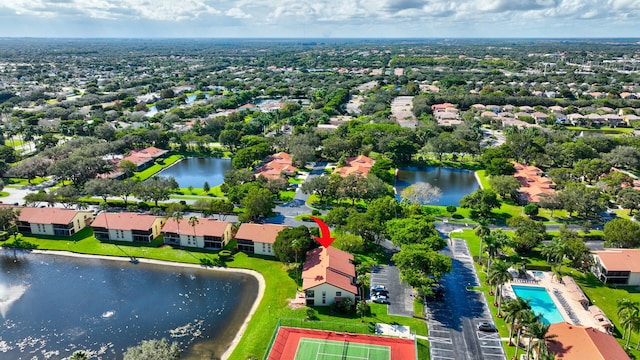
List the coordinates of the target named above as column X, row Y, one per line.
column 623, row 213
column 19, row 181
column 213, row 192
column 279, row 286
column 484, row 179
column 4, row 194
column 604, row 130
column 606, row 298
column 155, row 168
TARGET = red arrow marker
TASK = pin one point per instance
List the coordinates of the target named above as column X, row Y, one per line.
column 325, row 235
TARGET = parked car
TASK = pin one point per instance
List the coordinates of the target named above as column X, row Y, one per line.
column 380, row 293
column 488, row 327
column 380, row 299
column 378, row 288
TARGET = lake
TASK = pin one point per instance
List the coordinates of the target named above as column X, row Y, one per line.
column 454, row 183
column 195, row 171
column 52, row 305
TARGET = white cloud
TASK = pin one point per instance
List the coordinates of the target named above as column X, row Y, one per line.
column 237, row 13
column 166, row 10
column 368, row 18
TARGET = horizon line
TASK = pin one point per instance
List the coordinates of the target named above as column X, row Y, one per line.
column 319, row 38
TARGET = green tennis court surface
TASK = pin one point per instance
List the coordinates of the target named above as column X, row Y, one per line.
column 310, row 349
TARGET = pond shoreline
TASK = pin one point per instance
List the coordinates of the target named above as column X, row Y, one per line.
column 261, row 283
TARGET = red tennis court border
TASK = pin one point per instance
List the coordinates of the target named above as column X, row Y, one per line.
column 286, row 342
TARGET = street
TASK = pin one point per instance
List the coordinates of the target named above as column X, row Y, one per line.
column 453, row 322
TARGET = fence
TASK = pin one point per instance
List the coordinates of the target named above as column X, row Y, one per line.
column 328, row 326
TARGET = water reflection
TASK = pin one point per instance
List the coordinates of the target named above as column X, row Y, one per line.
column 56, row 305
column 454, row 183
column 195, row 171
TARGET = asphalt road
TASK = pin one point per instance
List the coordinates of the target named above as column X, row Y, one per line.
column 453, row 322
column 400, row 294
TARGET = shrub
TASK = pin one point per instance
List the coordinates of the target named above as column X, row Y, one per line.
column 344, row 306
column 316, row 212
column 224, row 254
column 311, row 314
column 143, row 205
column 451, row 209
column 531, row 209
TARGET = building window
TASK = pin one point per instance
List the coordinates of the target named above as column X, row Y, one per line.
column 310, row 293
column 324, row 297
column 338, row 293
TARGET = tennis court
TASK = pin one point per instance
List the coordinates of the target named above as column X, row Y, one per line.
column 309, row 349
column 305, row 344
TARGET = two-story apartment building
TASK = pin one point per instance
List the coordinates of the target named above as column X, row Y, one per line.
column 328, row 276
column 204, row 233
column 127, row 226
column 617, row 266
column 52, row 221
column 258, row 238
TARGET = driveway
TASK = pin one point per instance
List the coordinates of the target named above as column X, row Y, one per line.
column 453, row 322
column 400, row 294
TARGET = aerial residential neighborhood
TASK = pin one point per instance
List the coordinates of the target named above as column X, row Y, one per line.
column 305, row 198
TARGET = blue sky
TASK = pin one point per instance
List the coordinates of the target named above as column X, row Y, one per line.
column 320, row 18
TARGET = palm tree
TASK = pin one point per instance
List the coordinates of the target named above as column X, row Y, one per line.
column 482, row 231
column 513, row 308
column 626, row 308
column 193, row 221
column 525, row 320
column 538, row 332
column 498, row 275
column 630, row 321
column 495, row 243
column 547, row 356
column 555, row 250
column 104, row 206
column 79, row 355
column 177, row 216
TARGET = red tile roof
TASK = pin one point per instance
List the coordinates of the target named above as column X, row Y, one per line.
column 329, row 266
column 47, row 215
column 124, row 221
column 532, row 183
column 620, row 259
column 142, row 156
column 262, row 233
column 360, row 165
column 574, row 342
column 204, row 227
column 278, row 163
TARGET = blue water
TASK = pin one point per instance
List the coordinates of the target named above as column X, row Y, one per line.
column 454, row 183
column 539, row 274
column 540, row 302
column 195, row 171
column 52, row 305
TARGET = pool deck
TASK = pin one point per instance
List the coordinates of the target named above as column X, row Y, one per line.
column 572, row 311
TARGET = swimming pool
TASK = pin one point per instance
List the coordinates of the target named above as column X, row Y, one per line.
column 540, row 302
column 538, row 274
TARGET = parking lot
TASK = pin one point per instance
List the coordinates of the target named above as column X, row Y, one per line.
column 453, row 322
column 400, row 294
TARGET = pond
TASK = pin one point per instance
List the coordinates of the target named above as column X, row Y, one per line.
column 52, row 305
column 191, row 98
column 454, row 183
column 195, row 171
